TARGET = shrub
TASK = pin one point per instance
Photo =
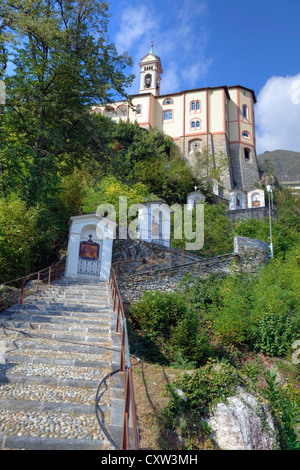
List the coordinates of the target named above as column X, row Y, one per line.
column 275, row 332
column 276, row 309
column 204, row 388
column 19, row 235
column 224, row 302
column 165, row 320
column 285, row 412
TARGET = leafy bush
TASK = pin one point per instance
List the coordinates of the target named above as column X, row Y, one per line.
column 224, row 302
column 275, row 314
column 285, row 412
column 275, row 333
column 204, row 388
column 165, row 319
column 192, row 396
column 19, row 236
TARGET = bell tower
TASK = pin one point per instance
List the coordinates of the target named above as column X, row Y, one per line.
column 150, row 73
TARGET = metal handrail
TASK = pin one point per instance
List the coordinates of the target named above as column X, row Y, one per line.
column 129, row 398
column 143, row 261
column 150, row 260
column 17, row 295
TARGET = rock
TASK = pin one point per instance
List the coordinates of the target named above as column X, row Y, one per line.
column 181, row 394
column 242, row 424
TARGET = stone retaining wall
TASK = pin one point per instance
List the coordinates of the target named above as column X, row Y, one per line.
column 248, row 256
column 259, row 213
column 133, row 256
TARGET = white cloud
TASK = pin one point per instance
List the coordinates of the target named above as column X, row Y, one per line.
column 180, row 39
column 171, row 80
column 278, row 114
column 136, row 23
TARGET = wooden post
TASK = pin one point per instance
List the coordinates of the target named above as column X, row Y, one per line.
column 151, row 261
column 49, row 278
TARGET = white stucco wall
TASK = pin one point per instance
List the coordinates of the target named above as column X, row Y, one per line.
column 102, row 232
column 147, row 214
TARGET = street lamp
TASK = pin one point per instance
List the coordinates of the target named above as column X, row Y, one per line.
column 269, row 189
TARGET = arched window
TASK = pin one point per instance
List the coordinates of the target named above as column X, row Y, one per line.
column 168, row 115
column 148, row 80
column 168, row 101
column 195, row 106
column 109, row 112
column 195, row 125
column 246, row 135
column 139, row 109
column 121, row 111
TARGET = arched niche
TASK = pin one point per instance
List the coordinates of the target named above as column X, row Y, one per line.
column 154, row 222
column 256, row 198
column 237, row 200
column 90, row 247
column 194, row 198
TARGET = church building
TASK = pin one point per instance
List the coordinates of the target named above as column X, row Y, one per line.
column 220, row 119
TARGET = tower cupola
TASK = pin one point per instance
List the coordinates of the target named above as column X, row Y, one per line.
column 150, row 73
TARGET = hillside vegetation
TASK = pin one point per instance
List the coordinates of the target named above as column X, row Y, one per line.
column 60, row 160
column 223, row 331
column 284, row 164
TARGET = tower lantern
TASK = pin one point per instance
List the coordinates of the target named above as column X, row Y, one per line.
column 150, row 72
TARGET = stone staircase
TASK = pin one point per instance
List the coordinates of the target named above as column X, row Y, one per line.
column 58, row 349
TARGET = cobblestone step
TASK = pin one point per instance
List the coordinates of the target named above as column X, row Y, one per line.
column 68, row 326
column 42, row 346
column 75, row 409
column 66, row 337
column 53, row 370
column 20, row 320
column 36, row 443
column 62, row 423
column 55, row 315
column 90, row 364
column 52, row 381
column 58, row 349
column 46, row 393
column 65, row 307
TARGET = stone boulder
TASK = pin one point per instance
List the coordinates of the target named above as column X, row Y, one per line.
column 242, row 423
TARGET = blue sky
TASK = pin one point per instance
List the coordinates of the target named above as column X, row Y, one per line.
column 216, row 42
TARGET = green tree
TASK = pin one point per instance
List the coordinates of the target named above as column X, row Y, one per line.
column 64, row 64
column 19, row 236
column 209, row 167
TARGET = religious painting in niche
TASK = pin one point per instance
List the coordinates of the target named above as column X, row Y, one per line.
column 155, row 228
column 89, row 249
column 256, row 203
